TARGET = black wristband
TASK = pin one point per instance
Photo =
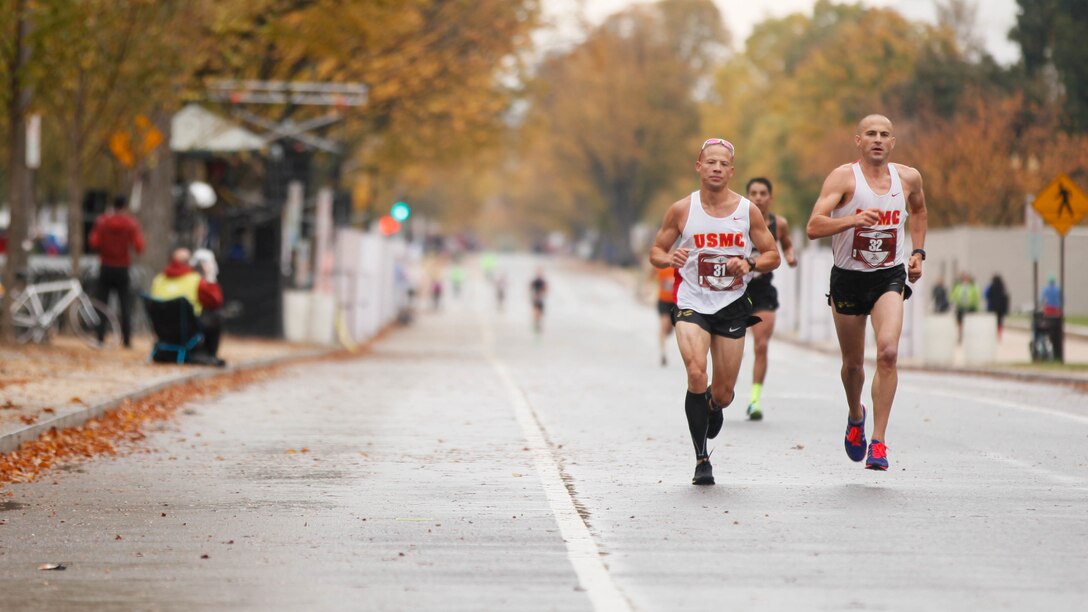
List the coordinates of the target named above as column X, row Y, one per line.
column 921, row 252
column 751, row 263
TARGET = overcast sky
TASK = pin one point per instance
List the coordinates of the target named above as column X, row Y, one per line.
column 995, row 17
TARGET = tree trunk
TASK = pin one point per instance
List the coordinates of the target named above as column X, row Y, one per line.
column 74, row 170
column 618, row 230
column 18, row 174
column 157, row 207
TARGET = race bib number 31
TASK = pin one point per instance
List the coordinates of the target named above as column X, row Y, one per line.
column 875, row 248
column 714, row 275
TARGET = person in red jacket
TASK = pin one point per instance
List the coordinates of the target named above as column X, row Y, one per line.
column 114, row 235
column 200, row 287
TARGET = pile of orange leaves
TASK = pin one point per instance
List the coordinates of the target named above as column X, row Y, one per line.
column 116, row 431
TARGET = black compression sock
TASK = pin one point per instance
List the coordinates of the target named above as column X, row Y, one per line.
column 698, row 421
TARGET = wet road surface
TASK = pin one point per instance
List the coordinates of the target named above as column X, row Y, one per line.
column 466, row 463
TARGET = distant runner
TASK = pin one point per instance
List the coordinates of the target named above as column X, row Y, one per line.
column 538, row 290
column 665, row 279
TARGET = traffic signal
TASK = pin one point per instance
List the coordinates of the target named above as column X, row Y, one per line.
column 400, row 211
column 388, row 226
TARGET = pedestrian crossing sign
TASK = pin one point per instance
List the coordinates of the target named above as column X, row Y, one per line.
column 1062, row 204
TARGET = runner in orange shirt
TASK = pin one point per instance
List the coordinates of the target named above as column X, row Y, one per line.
column 666, row 301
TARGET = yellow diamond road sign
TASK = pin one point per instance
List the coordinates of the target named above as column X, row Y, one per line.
column 1062, row 204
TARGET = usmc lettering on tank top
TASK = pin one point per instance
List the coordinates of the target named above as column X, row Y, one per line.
column 876, row 247
column 704, row 241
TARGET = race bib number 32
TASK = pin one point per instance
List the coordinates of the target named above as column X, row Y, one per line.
column 875, row 248
column 714, row 275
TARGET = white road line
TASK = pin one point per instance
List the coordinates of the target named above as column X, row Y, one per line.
column 1005, row 404
column 581, row 549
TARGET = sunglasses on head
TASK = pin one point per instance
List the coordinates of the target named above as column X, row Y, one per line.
column 717, row 141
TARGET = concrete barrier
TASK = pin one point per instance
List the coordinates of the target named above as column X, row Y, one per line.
column 979, row 338
column 940, row 339
column 309, row 317
column 296, row 315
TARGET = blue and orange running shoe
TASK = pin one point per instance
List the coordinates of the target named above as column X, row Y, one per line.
column 855, row 437
column 878, row 456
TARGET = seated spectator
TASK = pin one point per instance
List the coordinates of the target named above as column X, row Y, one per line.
column 179, row 279
column 211, row 318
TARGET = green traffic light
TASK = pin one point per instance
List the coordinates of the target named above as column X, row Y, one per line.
column 400, row 211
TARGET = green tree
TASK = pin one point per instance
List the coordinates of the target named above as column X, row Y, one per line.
column 1051, row 37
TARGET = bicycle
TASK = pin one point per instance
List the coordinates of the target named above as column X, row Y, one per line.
column 36, row 311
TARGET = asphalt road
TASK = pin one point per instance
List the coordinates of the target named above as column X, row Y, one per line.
column 466, row 463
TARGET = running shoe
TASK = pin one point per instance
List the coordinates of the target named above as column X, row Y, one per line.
column 754, row 413
column 704, row 473
column 716, row 418
column 855, row 437
column 878, row 456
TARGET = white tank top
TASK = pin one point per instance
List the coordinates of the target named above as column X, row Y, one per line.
column 880, row 246
column 705, row 284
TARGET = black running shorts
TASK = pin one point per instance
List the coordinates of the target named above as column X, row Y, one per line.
column 729, row 322
column 665, row 308
column 763, row 294
column 855, row 293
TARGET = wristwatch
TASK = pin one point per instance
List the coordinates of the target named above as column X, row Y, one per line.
column 752, row 263
column 921, row 252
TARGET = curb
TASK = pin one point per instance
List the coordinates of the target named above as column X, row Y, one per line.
column 77, row 416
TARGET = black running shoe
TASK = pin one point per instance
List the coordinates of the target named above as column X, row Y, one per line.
column 704, row 474
column 714, row 427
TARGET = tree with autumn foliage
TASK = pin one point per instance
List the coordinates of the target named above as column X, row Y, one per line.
column 119, row 62
column 791, row 100
column 438, row 72
column 108, row 77
column 615, row 116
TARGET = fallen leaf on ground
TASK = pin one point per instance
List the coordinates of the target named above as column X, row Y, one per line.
column 115, row 432
column 52, row 566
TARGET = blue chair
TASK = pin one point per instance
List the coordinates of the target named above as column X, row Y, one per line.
column 177, row 329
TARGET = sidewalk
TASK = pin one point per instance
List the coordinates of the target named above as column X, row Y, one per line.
column 1013, row 359
column 65, row 383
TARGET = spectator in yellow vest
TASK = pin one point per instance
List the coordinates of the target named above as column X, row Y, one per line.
column 201, row 288
column 966, row 297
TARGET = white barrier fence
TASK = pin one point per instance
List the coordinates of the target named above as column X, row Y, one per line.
column 802, row 292
column 368, row 288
